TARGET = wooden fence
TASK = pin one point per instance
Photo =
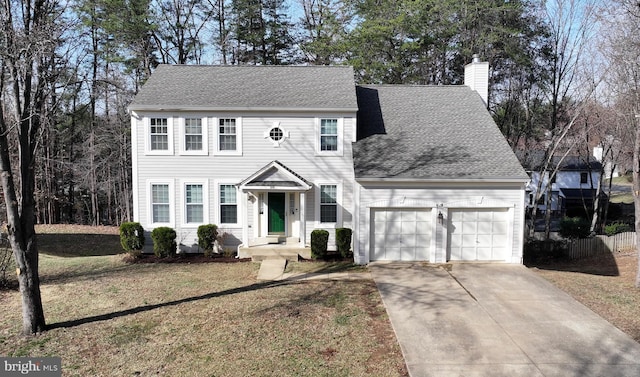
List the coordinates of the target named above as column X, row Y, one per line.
column 586, row 247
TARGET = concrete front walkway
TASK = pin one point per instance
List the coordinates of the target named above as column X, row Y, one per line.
column 497, row 320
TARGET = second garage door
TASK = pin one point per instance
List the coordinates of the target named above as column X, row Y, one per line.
column 477, row 234
column 401, row 235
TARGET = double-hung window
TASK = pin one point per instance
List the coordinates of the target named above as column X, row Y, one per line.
column 328, row 135
column 227, row 134
column 158, row 134
column 193, row 134
column 228, row 204
column 194, row 201
column 160, row 203
column 328, row 203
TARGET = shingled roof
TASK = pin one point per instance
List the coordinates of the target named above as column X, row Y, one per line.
column 429, row 132
column 190, row 87
column 534, row 160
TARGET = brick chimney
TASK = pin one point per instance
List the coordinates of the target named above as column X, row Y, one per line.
column 476, row 76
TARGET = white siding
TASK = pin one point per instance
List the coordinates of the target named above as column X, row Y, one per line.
column 564, row 179
column 440, row 197
column 297, row 152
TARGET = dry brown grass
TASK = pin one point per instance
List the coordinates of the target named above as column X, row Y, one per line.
column 605, row 284
column 110, row 318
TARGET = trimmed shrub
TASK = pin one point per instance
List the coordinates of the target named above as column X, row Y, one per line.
column 164, row 242
column 131, row 237
column 319, row 241
column 207, row 236
column 574, row 227
column 542, row 252
column 615, row 228
column 343, row 242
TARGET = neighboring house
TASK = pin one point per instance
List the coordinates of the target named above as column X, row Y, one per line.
column 270, row 153
column 573, row 188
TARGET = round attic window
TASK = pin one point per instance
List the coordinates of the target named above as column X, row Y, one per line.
column 276, row 134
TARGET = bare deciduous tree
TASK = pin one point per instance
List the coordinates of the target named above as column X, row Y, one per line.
column 622, row 47
column 28, row 43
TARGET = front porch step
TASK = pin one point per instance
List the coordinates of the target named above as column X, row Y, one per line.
column 275, row 254
column 276, row 239
column 259, row 253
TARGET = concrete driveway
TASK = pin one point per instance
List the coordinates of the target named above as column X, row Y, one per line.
column 497, row 320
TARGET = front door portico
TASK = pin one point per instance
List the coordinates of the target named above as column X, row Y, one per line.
column 277, row 201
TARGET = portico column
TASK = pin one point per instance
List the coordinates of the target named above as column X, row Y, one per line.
column 303, row 220
column 245, row 223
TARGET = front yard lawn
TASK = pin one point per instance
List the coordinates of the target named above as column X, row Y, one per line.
column 110, row 318
column 603, row 283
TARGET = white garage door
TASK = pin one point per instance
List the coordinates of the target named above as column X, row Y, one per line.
column 401, row 235
column 478, row 234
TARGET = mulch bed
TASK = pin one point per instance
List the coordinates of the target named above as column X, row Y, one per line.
column 184, row 258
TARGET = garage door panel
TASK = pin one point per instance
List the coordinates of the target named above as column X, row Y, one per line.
column 407, row 253
column 469, row 227
column 456, row 240
column 485, row 228
column 408, row 241
column 401, row 234
column 468, row 253
column 484, row 216
column 423, row 238
column 392, row 240
column 485, row 253
column 468, row 240
column 424, row 216
column 499, row 227
column 408, row 215
column 392, row 253
column 484, row 239
column 477, row 234
column 393, row 227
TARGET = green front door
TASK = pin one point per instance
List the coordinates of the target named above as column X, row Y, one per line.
column 276, row 212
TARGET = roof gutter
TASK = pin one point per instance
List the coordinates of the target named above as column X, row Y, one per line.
column 244, row 109
column 441, row 180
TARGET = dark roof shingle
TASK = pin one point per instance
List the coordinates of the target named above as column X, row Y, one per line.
column 429, row 132
column 534, row 160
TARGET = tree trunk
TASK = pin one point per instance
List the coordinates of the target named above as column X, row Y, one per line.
column 22, row 236
column 636, row 192
column 27, row 261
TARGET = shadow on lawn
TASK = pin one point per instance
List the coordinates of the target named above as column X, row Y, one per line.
column 78, row 245
column 603, row 264
column 146, row 308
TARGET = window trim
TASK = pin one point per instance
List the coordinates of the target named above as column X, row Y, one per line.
column 205, row 201
column 339, row 206
column 147, row 138
column 183, row 134
column 584, row 174
column 219, row 204
column 215, row 122
column 150, row 184
column 318, row 135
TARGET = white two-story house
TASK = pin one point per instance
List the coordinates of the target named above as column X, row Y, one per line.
column 270, row 153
